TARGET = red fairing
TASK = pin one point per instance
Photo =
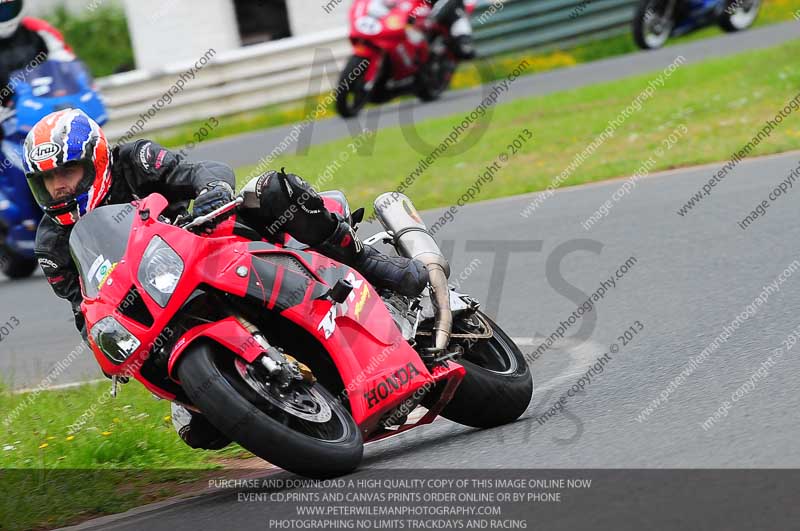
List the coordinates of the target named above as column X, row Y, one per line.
column 377, row 365
column 333, row 205
column 51, row 35
column 207, row 260
column 229, row 333
column 381, row 34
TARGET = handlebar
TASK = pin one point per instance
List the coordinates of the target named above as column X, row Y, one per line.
column 202, row 220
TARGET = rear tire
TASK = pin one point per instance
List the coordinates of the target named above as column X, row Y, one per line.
column 742, row 18
column 15, row 266
column 208, row 375
column 498, row 385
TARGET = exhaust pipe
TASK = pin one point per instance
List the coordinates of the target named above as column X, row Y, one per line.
column 398, row 215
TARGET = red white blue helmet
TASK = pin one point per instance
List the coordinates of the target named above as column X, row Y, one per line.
column 10, row 17
column 65, row 138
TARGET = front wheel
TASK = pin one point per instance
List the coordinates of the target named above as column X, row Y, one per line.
column 351, row 93
column 498, row 385
column 15, row 266
column 653, row 23
column 435, row 75
column 739, row 14
column 302, row 428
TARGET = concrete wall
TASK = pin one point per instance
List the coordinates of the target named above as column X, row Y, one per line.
column 310, row 16
column 44, row 7
column 170, row 31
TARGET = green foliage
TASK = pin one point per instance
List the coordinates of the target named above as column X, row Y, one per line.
column 99, row 37
column 124, row 453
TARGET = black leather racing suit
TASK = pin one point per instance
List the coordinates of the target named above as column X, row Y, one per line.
column 16, row 52
column 453, row 14
column 33, row 41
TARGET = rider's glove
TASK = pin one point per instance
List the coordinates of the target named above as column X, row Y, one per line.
column 210, row 198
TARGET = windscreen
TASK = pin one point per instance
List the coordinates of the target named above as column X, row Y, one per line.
column 98, row 242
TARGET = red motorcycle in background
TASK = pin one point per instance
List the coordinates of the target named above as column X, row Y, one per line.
column 397, row 48
column 293, row 355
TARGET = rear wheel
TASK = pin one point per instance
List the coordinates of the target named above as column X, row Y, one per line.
column 739, row 14
column 498, row 385
column 302, row 429
column 15, row 266
column 352, row 94
column 653, row 23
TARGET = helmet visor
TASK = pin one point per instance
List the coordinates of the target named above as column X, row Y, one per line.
column 10, row 9
column 61, row 185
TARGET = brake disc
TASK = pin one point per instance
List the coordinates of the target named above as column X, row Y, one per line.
column 299, row 401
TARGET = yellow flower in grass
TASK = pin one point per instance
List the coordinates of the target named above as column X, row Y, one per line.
column 43, row 446
column 70, row 437
column 106, row 433
column 50, row 437
column 167, row 418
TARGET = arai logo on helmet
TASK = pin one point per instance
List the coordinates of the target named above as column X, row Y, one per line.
column 44, row 151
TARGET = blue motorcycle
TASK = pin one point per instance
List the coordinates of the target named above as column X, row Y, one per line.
column 49, row 87
column 658, row 20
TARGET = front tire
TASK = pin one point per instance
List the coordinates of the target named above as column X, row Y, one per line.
column 498, row 385
column 651, row 25
column 351, row 93
column 435, row 75
column 15, row 266
column 739, row 14
column 319, row 450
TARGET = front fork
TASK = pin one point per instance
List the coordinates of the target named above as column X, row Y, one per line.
column 278, row 365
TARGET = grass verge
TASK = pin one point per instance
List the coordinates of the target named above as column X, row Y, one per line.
column 468, row 75
column 125, row 455
column 722, row 103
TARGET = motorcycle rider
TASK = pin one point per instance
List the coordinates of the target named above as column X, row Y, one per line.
column 23, row 41
column 452, row 13
column 71, row 169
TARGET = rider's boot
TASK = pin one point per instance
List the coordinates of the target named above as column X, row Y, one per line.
column 400, row 274
column 461, row 34
column 196, row 430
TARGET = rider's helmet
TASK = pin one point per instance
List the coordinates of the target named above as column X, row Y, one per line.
column 10, row 17
column 60, row 140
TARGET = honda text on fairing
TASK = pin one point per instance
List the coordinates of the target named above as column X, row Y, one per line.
column 49, row 87
column 658, row 20
column 291, row 354
column 398, row 48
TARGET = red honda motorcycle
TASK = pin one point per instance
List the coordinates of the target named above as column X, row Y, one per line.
column 294, row 356
column 397, row 48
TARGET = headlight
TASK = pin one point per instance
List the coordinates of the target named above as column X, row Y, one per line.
column 114, row 340
column 160, row 271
